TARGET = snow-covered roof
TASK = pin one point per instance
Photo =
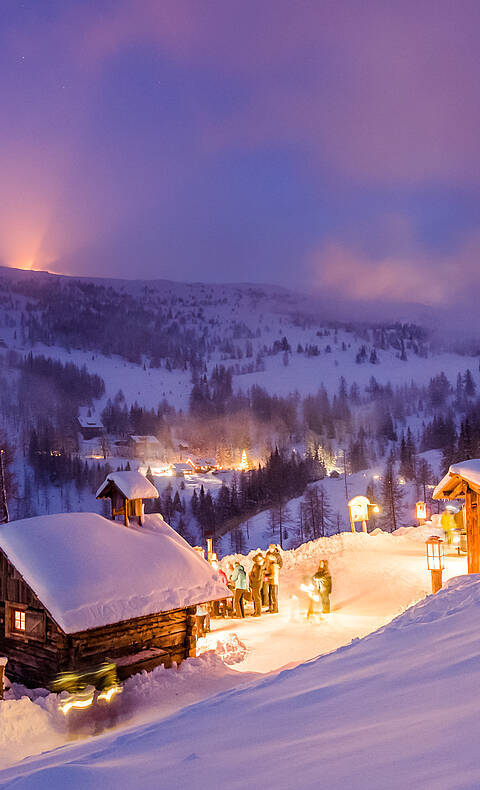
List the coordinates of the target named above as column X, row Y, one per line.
column 88, row 418
column 149, row 439
column 133, row 485
column 89, row 571
column 89, row 422
column 469, row 471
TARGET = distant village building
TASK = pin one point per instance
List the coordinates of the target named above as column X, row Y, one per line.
column 180, row 469
column 77, row 589
column 127, row 490
column 145, row 447
column 90, row 425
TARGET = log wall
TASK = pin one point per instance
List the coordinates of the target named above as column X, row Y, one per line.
column 30, row 661
column 37, row 662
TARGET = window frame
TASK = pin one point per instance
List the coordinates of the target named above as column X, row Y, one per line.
column 11, row 609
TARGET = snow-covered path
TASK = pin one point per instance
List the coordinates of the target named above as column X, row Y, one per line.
column 375, row 578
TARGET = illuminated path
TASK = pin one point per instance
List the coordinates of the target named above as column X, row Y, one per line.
column 375, row 578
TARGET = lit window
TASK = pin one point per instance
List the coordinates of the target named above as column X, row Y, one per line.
column 19, row 620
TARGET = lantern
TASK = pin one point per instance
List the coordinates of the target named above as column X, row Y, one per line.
column 435, row 563
column 421, row 508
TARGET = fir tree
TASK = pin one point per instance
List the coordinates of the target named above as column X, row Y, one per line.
column 391, row 497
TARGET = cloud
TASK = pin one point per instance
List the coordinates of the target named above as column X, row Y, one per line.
column 418, row 277
column 378, row 92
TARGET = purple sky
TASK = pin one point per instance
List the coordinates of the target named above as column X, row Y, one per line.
column 326, row 144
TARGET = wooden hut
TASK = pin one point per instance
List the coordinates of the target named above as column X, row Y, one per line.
column 77, row 589
column 462, row 481
column 127, row 490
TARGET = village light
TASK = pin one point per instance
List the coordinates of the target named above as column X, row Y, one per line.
column 358, row 508
column 435, row 561
column 243, row 465
column 421, row 512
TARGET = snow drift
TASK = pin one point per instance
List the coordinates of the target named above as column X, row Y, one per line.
column 395, row 709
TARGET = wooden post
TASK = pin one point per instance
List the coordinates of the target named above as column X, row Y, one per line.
column 473, row 531
column 126, row 512
column 364, row 526
column 352, row 523
column 3, row 663
column 436, row 580
column 3, row 490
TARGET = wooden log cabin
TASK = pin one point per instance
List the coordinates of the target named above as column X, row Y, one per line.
column 127, row 490
column 462, row 481
column 77, row 589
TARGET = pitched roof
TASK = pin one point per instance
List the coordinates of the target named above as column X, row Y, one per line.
column 467, row 471
column 90, row 422
column 88, row 571
column 133, row 485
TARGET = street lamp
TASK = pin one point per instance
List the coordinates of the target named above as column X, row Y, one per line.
column 435, row 561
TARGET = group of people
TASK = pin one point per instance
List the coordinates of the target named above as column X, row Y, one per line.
column 261, row 584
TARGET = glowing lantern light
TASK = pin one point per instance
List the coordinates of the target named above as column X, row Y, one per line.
column 421, row 510
column 358, row 507
column 435, row 561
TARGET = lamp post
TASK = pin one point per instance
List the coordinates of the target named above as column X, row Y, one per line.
column 435, row 561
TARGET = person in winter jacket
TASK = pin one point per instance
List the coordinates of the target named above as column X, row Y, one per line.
column 275, row 550
column 256, row 583
column 265, row 584
column 202, row 617
column 323, row 583
column 220, row 608
column 272, row 569
column 239, row 579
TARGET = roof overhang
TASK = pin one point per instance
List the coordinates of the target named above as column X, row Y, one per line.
column 459, row 479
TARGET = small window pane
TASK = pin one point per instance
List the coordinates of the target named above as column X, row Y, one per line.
column 19, row 620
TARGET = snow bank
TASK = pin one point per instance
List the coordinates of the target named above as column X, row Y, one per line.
column 89, row 571
column 395, row 709
column 230, row 649
column 31, row 723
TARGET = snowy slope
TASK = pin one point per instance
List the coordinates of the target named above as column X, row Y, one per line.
column 393, row 710
column 230, row 318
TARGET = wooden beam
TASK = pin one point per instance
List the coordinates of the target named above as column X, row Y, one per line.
column 473, row 531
